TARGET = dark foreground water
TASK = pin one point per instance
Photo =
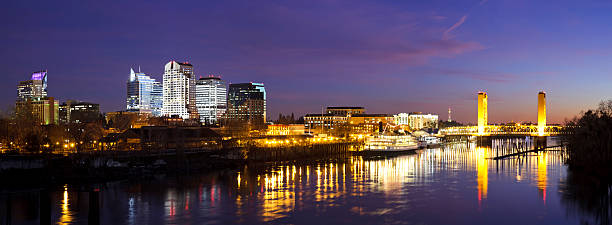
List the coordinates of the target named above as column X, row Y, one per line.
column 457, row 184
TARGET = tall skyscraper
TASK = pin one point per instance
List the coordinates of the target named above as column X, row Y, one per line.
column 482, row 112
column 541, row 112
column 247, row 104
column 211, row 99
column 144, row 94
column 179, row 91
column 33, row 103
column 36, row 87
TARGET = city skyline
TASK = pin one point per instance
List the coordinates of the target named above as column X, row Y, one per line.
column 424, row 57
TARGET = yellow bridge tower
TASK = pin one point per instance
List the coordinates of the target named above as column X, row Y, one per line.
column 482, row 112
column 541, row 113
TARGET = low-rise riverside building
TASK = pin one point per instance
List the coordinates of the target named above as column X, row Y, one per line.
column 345, row 110
column 320, row 123
column 285, row 129
column 163, row 138
column 369, row 123
column 417, row 120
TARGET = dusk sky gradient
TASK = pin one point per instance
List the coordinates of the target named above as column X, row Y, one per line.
column 388, row 56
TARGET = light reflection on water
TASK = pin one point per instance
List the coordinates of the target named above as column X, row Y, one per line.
column 459, row 184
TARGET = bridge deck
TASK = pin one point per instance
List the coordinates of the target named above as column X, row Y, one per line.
column 503, row 130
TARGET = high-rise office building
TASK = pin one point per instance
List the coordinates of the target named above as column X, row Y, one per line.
column 179, row 91
column 43, row 111
column 144, row 94
column 211, row 99
column 78, row 112
column 36, row 87
column 247, row 104
column 33, row 103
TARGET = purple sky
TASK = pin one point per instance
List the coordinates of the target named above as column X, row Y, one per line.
column 388, row 56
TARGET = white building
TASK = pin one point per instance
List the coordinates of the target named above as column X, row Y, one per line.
column 144, row 94
column 417, row 121
column 179, row 91
column 211, row 99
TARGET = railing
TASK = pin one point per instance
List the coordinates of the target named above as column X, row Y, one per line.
column 500, row 130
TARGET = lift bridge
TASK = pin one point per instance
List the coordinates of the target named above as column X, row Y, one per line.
column 517, row 129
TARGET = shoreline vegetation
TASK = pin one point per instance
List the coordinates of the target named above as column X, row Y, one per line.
column 589, row 142
column 587, row 189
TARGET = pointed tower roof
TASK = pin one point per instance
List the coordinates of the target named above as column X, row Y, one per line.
column 132, row 75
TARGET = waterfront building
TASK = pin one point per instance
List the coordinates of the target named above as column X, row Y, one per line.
column 247, row 104
column 482, row 112
column 179, row 91
column 144, row 94
column 419, row 121
column 36, row 87
column 401, row 119
column 416, row 120
column 121, row 120
column 211, row 99
column 285, row 129
column 369, row 123
column 78, row 112
column 320, row 123
column 345, row 110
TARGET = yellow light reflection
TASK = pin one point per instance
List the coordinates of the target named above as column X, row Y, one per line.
column 483, row 174
column 542, row 174
column 66, row 217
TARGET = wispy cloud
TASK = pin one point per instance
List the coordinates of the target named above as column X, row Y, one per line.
column 455, row 26
column 446, row 34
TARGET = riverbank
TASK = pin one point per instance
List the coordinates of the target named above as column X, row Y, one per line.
column 26, row 169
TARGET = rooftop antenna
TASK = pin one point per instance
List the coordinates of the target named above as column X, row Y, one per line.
column 139, row 69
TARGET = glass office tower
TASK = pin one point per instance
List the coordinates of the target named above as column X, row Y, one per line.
column 211, row 99
column 144, row 94
column 247, row 104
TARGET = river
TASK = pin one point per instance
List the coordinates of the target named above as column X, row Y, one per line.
column 456, row 184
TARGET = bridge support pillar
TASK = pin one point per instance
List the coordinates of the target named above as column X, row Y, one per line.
column 484, row 141
column 539, row 142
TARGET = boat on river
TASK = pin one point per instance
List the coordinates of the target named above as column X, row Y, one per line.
column 382, row 144
column 429, row 142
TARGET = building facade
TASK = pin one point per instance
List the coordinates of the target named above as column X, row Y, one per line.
column 247, row 104
column 179, row 91
column 323, row 123
column 43, row 111
column 369, row 123
column 144, row 94
column 33, row 102
column 211, row 99
column 36, row 87
column 78, row 112
column 345, row 110
column 417, row 121
column 285, row 129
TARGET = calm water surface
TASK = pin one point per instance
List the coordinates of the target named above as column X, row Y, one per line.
column 457, row 184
